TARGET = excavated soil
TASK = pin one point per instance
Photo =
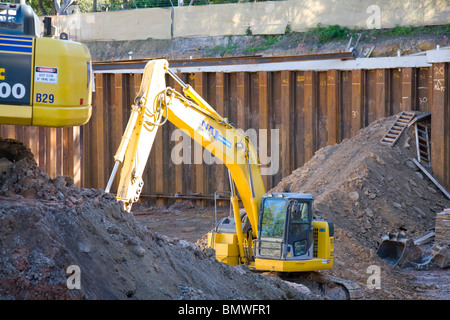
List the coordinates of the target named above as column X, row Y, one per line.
column 48, row 225
column 367, row 189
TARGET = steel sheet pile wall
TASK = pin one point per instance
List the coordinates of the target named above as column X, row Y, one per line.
column 310, row 109
column 56, row 150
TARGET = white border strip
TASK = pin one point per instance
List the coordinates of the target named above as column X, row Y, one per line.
column 424, row 60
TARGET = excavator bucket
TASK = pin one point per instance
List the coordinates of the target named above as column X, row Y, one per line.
column 399, row 251
column 391, row 251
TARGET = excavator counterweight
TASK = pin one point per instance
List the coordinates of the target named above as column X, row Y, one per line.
column 43, row 81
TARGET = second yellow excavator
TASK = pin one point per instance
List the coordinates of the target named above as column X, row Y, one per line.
column 277, row 231
column 43, row 81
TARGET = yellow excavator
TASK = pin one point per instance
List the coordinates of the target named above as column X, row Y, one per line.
column 277, row 231
column 43, row 81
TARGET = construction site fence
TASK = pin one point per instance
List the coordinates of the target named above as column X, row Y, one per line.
column 295, row 113
column 253, row 17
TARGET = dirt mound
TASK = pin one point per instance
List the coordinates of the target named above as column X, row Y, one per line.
column 48, row 225
column 369, row 189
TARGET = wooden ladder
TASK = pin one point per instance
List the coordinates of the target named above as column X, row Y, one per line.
column 423, row 144
column 391, row 137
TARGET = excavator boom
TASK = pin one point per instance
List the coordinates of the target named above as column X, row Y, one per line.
column 155, row 103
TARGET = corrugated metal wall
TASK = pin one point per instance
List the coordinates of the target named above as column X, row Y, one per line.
column 310, row 110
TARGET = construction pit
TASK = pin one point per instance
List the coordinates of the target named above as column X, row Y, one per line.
column 368, row 189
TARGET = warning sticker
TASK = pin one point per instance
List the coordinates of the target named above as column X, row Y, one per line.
column 46, row 75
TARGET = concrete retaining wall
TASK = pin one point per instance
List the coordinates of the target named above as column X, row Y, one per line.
column 261, row 18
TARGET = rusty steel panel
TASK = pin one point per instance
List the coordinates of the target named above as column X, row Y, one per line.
column 309, row 109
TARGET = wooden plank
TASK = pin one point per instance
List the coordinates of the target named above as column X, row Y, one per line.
column 299, row 119
column 345, row 105
column 381, row 88
column 167, row 165
column 424, row 89
column 209, row 94
column 60, row 151
column 394, row 91
column 18, row 133
column 48, row 152
column 34, row 142
column 441, row 187
column 333, row 106
column 54, row 151
column 99, row 173
column 42, row 147
column 65, row 147
column 321, row 129
column 78, row 155
column 370, row 114
column 276, row 118
column 263, row 104
column 241, row 100
column 292, row 124
column 408, row 78
column 220, row 169
column 158, row 166
column 178, row 167
column 440, row 119
column 310, row 114
column 198, row 150
column 189, row 167
column 285, row 123
column 109, row 127
column 117, row 128
column 253, row 104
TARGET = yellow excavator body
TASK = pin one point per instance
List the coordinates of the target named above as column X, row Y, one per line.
column 43, row 81
column 277, row 231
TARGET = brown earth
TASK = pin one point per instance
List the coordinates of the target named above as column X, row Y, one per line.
column 295, row 43
column 367, row 189
column 47, row 225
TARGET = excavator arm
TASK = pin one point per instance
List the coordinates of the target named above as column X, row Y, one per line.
column 278, row 246
column 156, row 103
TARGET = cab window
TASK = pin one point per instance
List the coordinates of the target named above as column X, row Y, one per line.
column 299, row 217
column 274, row 216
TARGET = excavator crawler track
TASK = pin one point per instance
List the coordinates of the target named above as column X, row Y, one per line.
column 329, row 287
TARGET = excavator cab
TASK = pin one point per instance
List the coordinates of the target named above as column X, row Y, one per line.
column 285, row 229
column 288, row 237
column 43, row 81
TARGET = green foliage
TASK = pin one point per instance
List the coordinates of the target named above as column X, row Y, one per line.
column 328, row 33
column 84, row 5
column 223, row 50
column 409, row 31
column 45, row 9
column 267, row 43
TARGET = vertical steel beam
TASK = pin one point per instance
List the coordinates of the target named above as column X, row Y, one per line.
column 440, row 124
